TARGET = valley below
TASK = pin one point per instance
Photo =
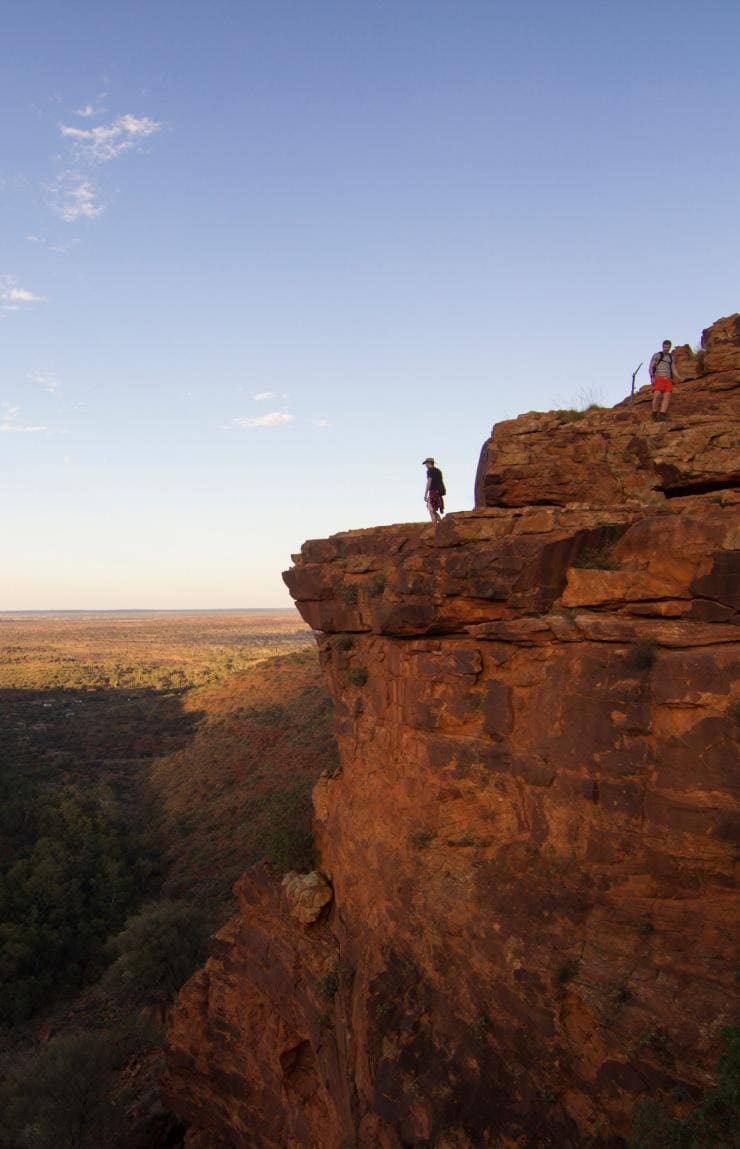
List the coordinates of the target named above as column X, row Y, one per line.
column 146, row 759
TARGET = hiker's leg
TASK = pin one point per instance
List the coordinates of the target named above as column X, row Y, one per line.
column 665, row 403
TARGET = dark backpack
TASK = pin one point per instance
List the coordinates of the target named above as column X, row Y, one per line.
column 438, row 483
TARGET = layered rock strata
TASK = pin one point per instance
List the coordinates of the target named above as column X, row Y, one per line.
column 531, row 837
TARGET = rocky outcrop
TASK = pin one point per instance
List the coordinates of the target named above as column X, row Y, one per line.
column 530, row 840
column 604, row 457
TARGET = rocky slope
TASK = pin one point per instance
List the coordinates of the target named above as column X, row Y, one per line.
column 529, row 919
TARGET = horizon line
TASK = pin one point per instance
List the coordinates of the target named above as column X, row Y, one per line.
column 151, row 610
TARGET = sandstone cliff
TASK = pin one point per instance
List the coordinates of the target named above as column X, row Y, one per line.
column 530, row 838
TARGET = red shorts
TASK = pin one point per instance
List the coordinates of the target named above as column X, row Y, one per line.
column 436, row 502
column 661, row 384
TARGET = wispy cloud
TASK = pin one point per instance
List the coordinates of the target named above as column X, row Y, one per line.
column 14, row 429
column 74, row 194
column 9, row 426
column 12, row 297
column 262, row 395
column 63, row 248
column 108, row 141
column 46, row 379
column 274, row 419
column 321, row 423
column 20, row 295
column 74, row 197
column 60, row 246
column 91, row 110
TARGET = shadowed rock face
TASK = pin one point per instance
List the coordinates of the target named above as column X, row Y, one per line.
column 530, row 839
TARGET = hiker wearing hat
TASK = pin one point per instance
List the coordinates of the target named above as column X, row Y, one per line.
column 661, row 381
column 435, row 491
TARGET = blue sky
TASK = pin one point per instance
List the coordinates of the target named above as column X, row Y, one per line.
column 258, row 259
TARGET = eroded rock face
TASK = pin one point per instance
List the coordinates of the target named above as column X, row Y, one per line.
column 530, row 840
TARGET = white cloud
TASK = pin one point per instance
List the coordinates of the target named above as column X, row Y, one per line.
column 90, row 110
column 321, row 423
column 74, row 194
column 14, row 429
column 74, row 197
column 108, row 141
column 262, row 395
column 12, row 296
column 61, row 246
column 46, row 379
column 10, row 427
column 274, row 419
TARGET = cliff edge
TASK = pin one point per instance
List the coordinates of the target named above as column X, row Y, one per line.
column 526, row 919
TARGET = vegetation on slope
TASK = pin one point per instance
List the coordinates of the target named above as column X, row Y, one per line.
column 126, row 813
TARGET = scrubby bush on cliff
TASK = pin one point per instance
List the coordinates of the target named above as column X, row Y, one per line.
column 158, row 951
column 713, row 1124
column 285, row 837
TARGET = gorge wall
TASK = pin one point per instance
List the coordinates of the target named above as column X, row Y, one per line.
column 525, row 916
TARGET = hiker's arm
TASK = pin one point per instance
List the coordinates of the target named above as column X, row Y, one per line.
column 653, row 361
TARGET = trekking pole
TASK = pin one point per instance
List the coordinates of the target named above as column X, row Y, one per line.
column 634, row 375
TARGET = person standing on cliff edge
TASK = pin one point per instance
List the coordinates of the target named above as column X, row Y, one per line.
column 434, row 495
column 661, row 381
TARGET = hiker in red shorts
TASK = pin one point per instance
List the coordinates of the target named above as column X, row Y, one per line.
column 661, row 380
column 434, row 495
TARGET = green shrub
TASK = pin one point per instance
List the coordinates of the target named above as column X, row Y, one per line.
column 158, row 951
column 74, row 871
column 598, row 556
column 286, row 838
column 356, row 676
column 329, row 983
column 348, row 594
column 376, row 585
column 575, row 414
column 274, row 715
column 570, row 414
column 420, row 839
column 481, row 1026
column 65, row 1095
column 712, row 1124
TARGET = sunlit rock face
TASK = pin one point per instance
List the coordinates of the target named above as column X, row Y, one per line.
column 530, row 839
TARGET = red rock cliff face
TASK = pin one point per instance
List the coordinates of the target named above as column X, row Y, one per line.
column 530, row 838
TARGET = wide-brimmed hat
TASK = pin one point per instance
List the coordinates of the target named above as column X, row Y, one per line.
column 428, row 459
